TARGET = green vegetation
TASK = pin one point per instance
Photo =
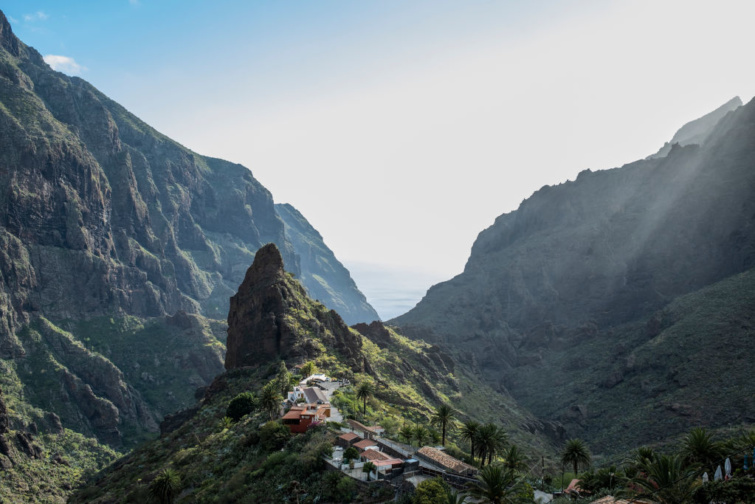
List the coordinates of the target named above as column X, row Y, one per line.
column 241, row 405
column 166, row 486
column 575, row 453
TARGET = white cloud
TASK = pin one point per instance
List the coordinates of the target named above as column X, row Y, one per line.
column 135, row 3
column 12, row 20
column 64, row 64
column 37, row 16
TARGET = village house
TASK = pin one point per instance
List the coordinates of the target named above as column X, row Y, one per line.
column 445, row 461
column 310, row 395
column 299, row 418
column 347, row 440
column 366, row 431
column 365, row 444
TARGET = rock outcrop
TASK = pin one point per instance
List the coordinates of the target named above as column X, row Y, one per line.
column 271, row 318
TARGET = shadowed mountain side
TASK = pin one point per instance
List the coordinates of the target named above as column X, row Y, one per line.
column 324, row 277
column 695, row 132
column 576, row 260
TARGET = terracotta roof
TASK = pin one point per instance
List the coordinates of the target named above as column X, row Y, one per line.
column 360, row 426
column 364, row 444
column 445, row 460
column 293, row 414
column 349, row 436
column 391, row 462
column 374, row 455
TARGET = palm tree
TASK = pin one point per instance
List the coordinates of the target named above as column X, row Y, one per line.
column 270, row 400
column 698, row 448
column 575, row 453
column 490, row 441
column 443, row 417
column 454, row 497
column 166, row 486
column 407, row 433
column 364, row 392
column 496, row 484
column 666, row 479
column 368, row 467
column 514, row 459
column 469, row 433
column 420, row 434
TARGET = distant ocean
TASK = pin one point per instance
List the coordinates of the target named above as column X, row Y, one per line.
column 392, row 291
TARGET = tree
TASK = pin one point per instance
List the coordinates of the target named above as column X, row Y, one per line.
column 443, row 418
column 270, row 400
column 666, row 479
column 420, row 434
column 364, row 392
column 241, row 405
column 490, row 440
column 368, row 467
column 698, row 448
column 454, row 497
column 497, row 484
column 576, row 453
column 407, row 433
column 350, row 454
column 469, row 433
column 431, row 491
column 283, row 378
column 308, row 369
column 166, row 486
column 514, row 459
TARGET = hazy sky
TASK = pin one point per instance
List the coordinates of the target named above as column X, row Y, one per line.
column 401, row 129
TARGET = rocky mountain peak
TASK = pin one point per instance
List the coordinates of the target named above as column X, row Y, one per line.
column 257, row 332
column 8, row 40
column 271, row 318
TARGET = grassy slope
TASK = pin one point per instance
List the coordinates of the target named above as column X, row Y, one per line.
column 231, row 465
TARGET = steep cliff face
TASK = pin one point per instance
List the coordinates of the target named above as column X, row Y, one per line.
column 323, row 275
column 264, row 323
column 119, row 251
column 577, row 261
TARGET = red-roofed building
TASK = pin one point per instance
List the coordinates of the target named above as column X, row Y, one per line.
column 364, row 444
column 374, row 456
column 299, row 418
column 347, row 440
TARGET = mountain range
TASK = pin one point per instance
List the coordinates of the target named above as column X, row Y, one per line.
column 618, row 304
column 119, row 251
column 616, row 307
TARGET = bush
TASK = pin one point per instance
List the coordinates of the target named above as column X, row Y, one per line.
column 273, row 436
column 241, row 405
column 430, row 492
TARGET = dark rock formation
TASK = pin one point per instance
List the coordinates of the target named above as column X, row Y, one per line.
column 266, row 314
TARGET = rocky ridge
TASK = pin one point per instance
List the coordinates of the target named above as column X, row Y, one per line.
column 579, row 276
column 109, row 232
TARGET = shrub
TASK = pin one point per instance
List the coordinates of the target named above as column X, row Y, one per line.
column 241, row 405
column 273, row 436
column 166, row 486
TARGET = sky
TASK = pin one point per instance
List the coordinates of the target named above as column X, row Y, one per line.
column 401, row 129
